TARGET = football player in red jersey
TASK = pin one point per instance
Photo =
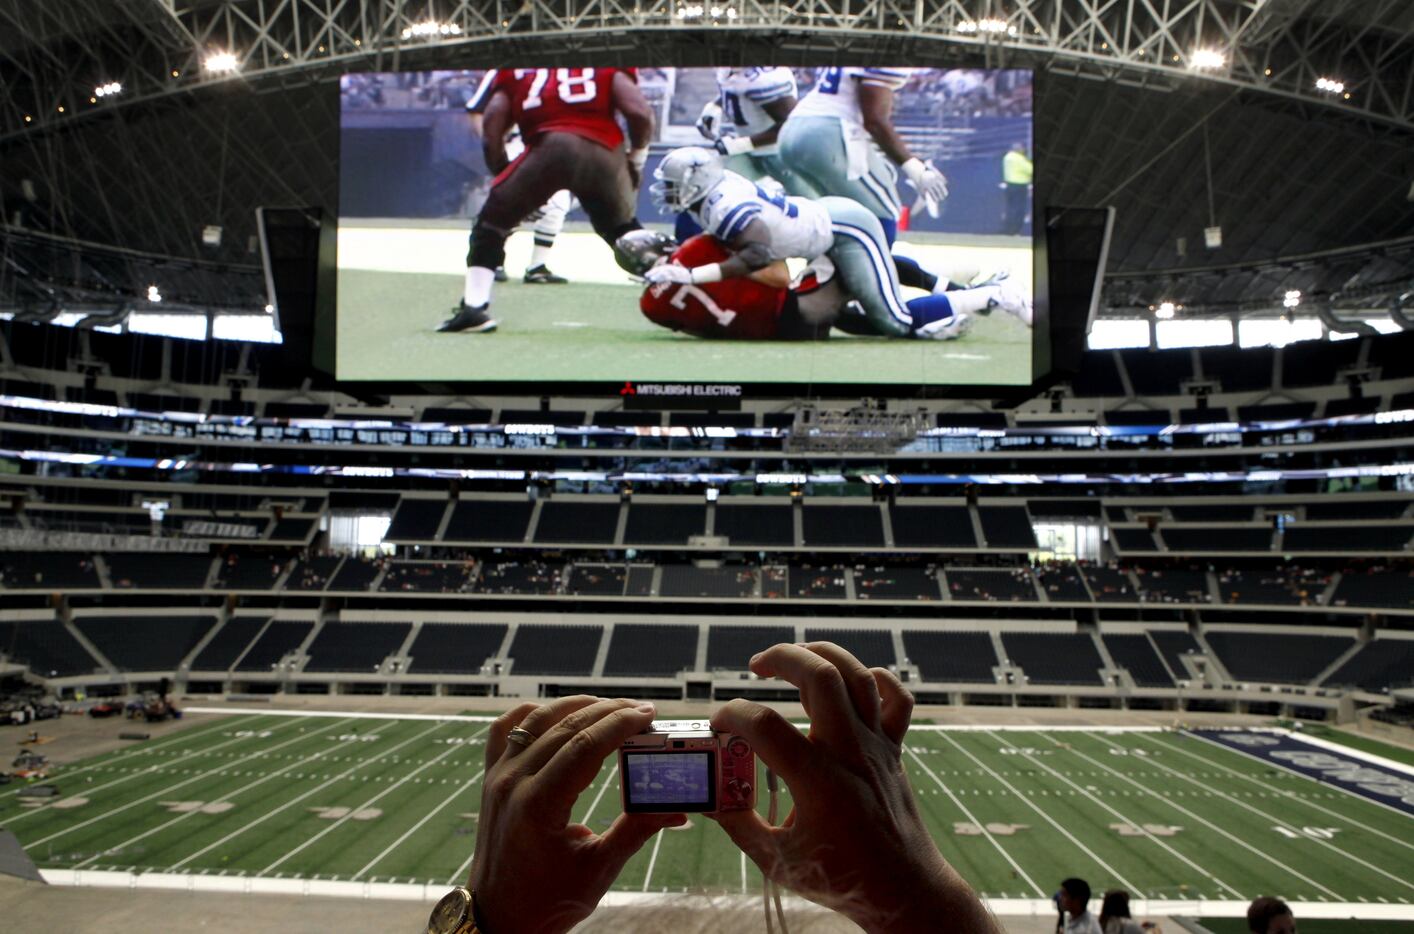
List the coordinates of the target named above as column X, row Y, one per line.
column 567, row 118
column 763, row 306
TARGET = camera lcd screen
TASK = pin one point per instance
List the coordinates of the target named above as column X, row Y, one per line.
column 678, row 781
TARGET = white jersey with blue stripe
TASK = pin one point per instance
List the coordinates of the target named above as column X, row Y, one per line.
column 836, row 92
column 798, row 227
column 476, row 104
column 745, row 92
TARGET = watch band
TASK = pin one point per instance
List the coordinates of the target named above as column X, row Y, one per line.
column 455, row 913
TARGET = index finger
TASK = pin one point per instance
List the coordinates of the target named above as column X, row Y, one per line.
column 576, row 763
column 822, row 687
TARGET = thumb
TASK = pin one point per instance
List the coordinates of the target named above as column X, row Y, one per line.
column 628, row 834
column 761, row 842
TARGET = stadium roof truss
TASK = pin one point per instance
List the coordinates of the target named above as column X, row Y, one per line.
column 58, row 52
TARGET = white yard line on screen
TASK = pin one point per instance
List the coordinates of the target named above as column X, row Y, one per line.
column 1277, row 821
column 652, row 859
column 1291, row 794
column 291, row 803
column 169, row 789
column 1034, row 760
column 1044, row 816
column 417, row 826
column 1021, row 873
column 352, row 811
column 1183, row 810
column 119, row 848
column 137, row 752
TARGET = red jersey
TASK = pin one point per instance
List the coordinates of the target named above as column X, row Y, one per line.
column 740, row 309
column 564, row 100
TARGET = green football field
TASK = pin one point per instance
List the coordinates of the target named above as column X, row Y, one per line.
column 1161, row 814
column 394, row 289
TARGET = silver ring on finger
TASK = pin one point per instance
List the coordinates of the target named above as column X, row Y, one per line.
column 520, row 737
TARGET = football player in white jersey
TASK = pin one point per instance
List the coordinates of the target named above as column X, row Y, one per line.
column 549, row 220
column 840, row 140
column 760, row 228
column 751, row 107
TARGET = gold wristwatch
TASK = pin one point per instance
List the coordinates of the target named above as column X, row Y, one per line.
column 454, row 914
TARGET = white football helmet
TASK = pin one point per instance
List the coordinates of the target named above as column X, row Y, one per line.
column 685, row 177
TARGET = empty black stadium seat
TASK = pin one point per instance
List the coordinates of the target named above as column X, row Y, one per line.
column 932, row 527
column 1062, row 582
column 555, row 650
column 145, row 643
column 1387, row 587
column 454, row 648
column 46, row 647
column 651, row 651
column 685, row 580
column 873, row 647
column 48, row 570
column 579, row 522
column 1211, row 512
column 764, row 525
column 1054, row 657
column 313, row 573
column 1109, row 585
column 1133, row 539
column 1239, row 370
column 1353, row 538
column 1172, row 585
column 1338, row 507
column 861, row 526
column 240, row 570
column 1380, row 665
column 355, row 647
column 1173, row 644
column 1315, row 363
column 292, row 530
column 163, row 570
column 1098, row 376
column 279, row 639
column 1136, row 653
column 1207, row 540
column 1157, row 372
column 1280, row 658
column 427, row 576
column 1276, row 412
column 521, row 577
column 1364, row 405
column 416, row 520
column 664, row 523
column 356, row 573
column 596, row 580
column 951, row 656
column 817, row 583
column 227, row 645
column 1009, row 586
column 730, row 648
column 488, row 520
column 1007, row 527
column 896, row 583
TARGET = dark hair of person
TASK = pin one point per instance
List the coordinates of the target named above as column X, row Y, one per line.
column 1115, row 905
column 1077, row 888
column 1263, row 910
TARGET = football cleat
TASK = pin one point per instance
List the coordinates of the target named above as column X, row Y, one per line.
column 475, row 320
column 1014, row 300
column 541, row 275
column 501, row 274
column 946, row 329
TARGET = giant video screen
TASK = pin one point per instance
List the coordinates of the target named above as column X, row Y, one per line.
column 535, row 227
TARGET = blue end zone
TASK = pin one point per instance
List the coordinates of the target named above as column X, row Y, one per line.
column 1356, row 776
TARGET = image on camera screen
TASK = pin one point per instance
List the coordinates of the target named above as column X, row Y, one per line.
column 669, row 778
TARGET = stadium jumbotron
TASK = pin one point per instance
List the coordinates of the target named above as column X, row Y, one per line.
column 576, row 466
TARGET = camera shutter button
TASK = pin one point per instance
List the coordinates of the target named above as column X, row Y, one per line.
column 738, row 748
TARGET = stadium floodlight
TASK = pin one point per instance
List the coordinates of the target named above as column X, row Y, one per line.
column 108, row 90
column 431, row 29
column 1291, row 299
column 153, row 295
column 221, row 63
column 990, row 26
column 696, row 11
column 1330, row 85
column 1165, row 310
column 1207, row 60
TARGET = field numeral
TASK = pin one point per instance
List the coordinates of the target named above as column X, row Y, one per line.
column 1313, row 833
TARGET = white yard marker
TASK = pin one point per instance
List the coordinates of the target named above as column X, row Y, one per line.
column 163, row 792
column 1170, row 850
column 114, row 850
column 288, row 804
column 1279, row 822
column 371, row 801
column 1291, row 794
column 1183, row 810
column 1044, row 816
column 991, row 839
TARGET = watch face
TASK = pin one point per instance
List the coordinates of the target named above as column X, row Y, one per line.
column 450, row 913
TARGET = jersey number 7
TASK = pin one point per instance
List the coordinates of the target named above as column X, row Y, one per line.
column 575, row 85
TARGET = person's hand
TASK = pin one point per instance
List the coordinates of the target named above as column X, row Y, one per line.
column 854, row 840
column 668, row 273
column 709, row 122
column 931, row 185
column 534, row 871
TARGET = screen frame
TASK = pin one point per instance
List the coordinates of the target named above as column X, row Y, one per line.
column 677, row 807
column 1042, row 351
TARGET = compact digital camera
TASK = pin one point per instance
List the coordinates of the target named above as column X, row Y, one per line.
column 681, row 765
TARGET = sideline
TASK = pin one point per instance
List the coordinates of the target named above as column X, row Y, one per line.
column 430, row 892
